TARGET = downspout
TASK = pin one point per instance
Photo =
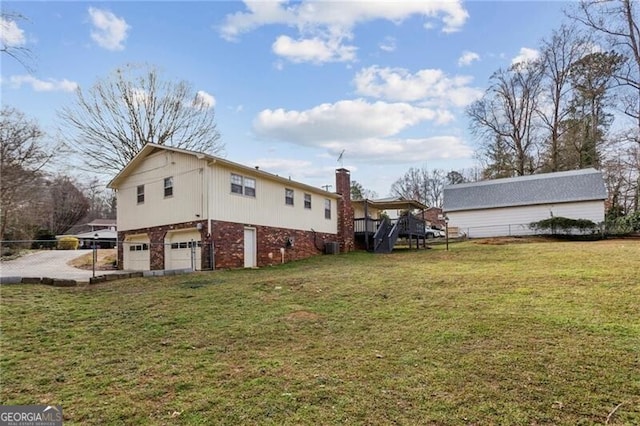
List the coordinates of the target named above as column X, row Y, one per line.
column 209, row 230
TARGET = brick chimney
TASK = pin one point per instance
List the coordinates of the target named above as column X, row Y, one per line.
column 345, row 210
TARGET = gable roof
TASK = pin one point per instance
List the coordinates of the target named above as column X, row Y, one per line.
column 547, row 188
column 151, row 148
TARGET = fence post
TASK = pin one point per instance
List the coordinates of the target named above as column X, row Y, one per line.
column 193, row 255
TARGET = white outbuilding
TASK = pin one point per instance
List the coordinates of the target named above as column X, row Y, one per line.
column 504, row 207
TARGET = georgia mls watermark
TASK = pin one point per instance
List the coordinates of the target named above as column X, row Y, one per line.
column 30, row 415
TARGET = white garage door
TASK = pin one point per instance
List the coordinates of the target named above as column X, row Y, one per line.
column 183, row 250
column 136, row 253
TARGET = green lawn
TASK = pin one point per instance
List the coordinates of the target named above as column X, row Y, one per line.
column 529, row 333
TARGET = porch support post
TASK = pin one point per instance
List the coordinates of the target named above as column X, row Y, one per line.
column 366, row 225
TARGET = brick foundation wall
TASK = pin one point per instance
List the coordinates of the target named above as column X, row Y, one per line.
column 228, row 240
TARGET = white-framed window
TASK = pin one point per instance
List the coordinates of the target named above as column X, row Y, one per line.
column 288, row 196
column 236, row 184
column 249, row 187
column 307, row 201
column 168, row 187
column 243, row 185
column 327, row 208
column 140, row 194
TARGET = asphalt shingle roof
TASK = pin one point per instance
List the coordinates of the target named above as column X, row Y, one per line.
column 547, row 188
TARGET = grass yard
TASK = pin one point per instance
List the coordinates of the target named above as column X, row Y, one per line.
column 520, row 334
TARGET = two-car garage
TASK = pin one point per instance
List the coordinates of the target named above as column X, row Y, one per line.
column 182, row 250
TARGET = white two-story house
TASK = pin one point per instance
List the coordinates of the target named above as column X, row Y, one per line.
column 184, row 209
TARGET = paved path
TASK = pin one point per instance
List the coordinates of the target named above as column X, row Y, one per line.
column 50, row 264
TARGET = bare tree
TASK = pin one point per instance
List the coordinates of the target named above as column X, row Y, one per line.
column 421, row 185
column 559, row 53
column 12, row 40
column 111, row 122
column 617, row 22
column 68, row 204
column 23, row 154
column 507, row 113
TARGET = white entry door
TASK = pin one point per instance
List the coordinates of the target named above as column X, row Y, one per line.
column 249, row 248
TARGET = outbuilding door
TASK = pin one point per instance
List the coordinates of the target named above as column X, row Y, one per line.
column 183, row 250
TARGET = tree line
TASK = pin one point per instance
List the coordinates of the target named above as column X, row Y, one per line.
column 577, row 105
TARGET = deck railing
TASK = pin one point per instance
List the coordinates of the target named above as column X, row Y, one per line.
column 407, row 225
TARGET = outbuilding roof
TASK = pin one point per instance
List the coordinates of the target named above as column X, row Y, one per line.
column 547, row 188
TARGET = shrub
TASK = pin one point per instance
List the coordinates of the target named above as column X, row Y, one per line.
column 624, row 224
column 565, row 225
column 44, row 239
column 68, row 243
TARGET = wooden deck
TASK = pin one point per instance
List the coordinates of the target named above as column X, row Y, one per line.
column 381, row 235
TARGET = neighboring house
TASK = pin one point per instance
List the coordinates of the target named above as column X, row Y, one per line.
column 99, row 232
column 434, row 217
column 505, row 207
column 98, row 224
column 174, row 205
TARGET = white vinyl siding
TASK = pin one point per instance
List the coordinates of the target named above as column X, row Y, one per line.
column 515, row 220
column 268, row 207
column 156, row 209
column 205, row 193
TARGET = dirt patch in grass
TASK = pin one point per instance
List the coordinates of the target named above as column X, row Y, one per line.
column 303, row 316
column 500, row 241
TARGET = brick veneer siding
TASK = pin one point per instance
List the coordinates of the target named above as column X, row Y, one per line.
column 228, row 241
column 345, row 210
column 156, row 236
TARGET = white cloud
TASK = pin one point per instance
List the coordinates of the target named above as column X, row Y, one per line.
column 431, row 86
column 49, row 85
column 388, row 45
column 109, row 30
column 204, row 99
column 315, row 50
column 405, row 150
column 349, row 119
column 322, row 25
column 467, row 58
column 526, row 55
column 10, row 34
column 296, row 168
column 366, row 130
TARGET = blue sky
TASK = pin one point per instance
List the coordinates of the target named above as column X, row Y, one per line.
column 293, row 84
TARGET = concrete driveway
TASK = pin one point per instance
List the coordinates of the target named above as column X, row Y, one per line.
column 50, row 264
